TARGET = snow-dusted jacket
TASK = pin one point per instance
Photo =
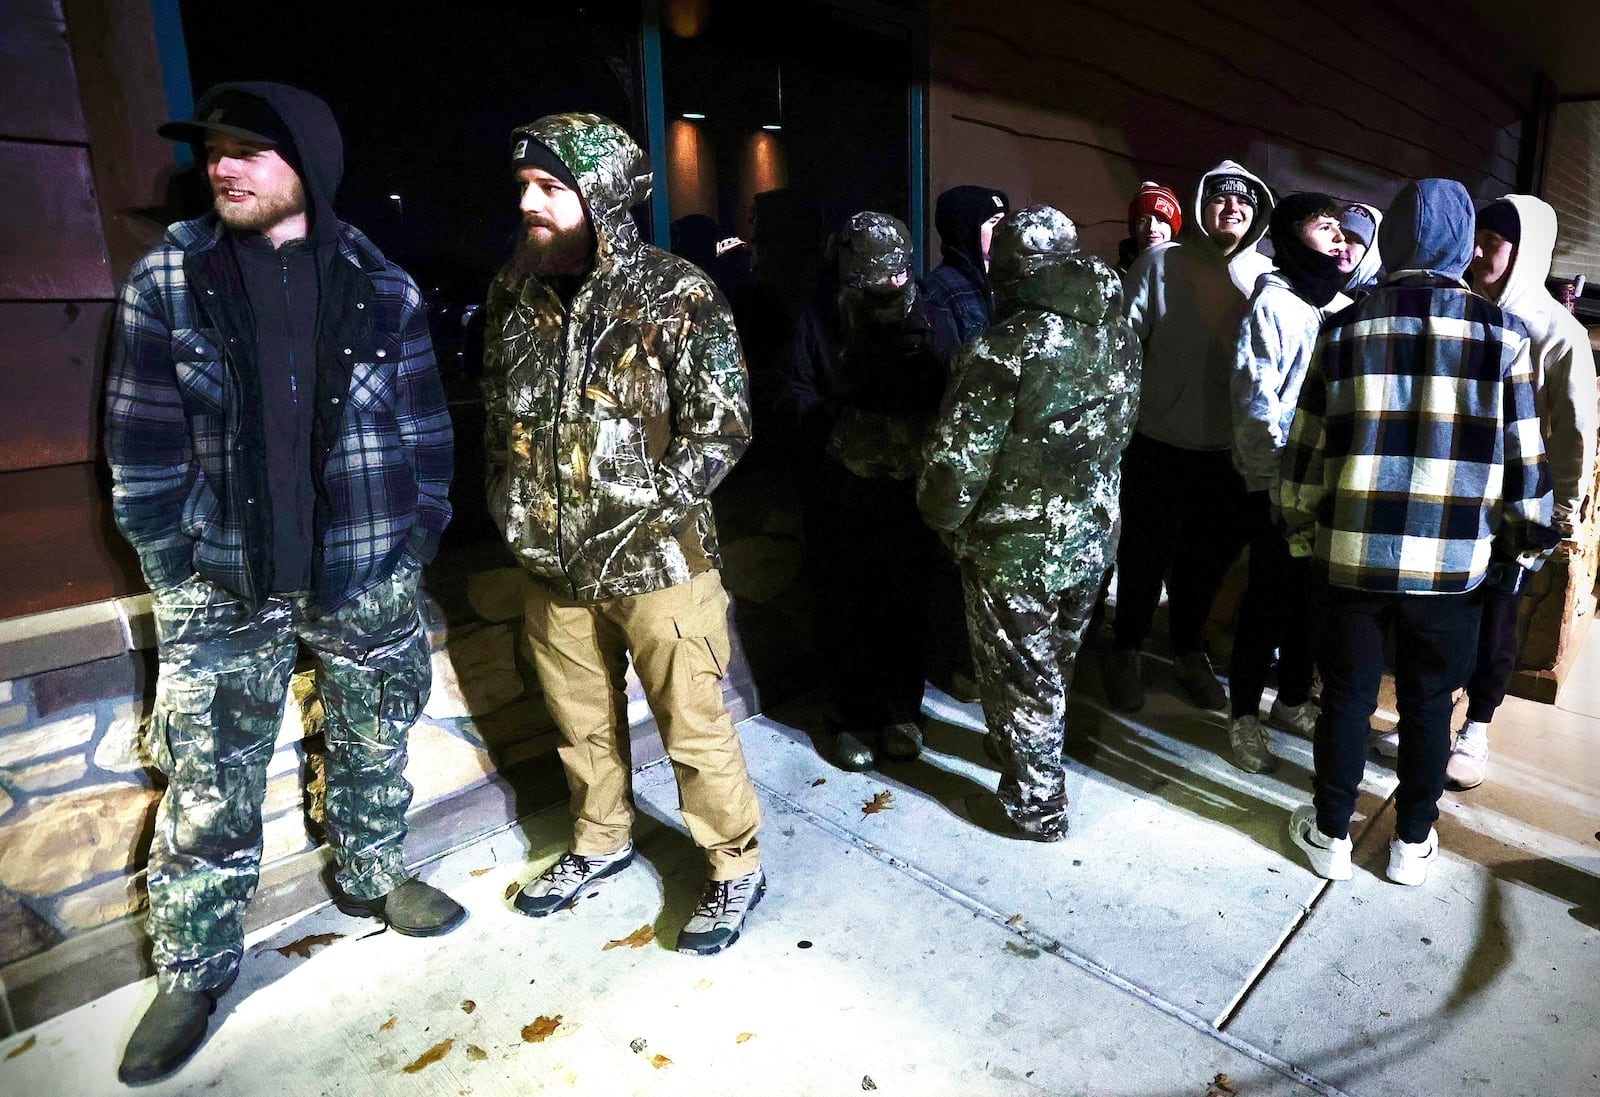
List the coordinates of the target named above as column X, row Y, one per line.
column 1185, row 301
column 1563, row 362
column 1275, row 343
column 1024, row 469
column 610, row 419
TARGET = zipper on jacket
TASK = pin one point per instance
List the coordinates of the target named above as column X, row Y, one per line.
column 555, row 446
column 283, row 282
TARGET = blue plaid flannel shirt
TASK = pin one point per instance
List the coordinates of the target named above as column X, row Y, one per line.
column 1416, row 445
column 172, row 431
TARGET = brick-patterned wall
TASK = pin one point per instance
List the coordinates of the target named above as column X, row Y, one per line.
column 1573, row 188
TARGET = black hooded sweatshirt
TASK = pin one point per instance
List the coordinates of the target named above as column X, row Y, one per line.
column 958, row 290
column 283, row 287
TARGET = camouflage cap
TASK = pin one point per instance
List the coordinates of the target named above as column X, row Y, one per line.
column 1028, row 239
column 873, row 248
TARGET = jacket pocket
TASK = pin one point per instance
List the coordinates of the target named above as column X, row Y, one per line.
column 620, row 469
column 375, row 381
column 199, row 508
column 197, row 360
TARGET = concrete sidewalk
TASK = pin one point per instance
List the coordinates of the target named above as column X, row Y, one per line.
column 1175, row 944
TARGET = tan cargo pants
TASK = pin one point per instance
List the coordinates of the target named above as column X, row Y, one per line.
column 678, row 640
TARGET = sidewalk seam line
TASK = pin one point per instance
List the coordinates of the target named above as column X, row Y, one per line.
column 1056, row 948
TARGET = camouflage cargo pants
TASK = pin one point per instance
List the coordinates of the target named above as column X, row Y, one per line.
column 219, row 702
column 1024, row 645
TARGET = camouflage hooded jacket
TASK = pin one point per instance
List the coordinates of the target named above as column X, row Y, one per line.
column 610, row 420
column 1024, row 468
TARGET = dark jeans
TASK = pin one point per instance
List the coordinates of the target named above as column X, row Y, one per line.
column 1274, row 615
column 871, row 560
column 1497, row 655
column 1181, row 512
column 1435, row 636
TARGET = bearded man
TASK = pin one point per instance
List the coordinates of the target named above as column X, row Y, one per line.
column 616, row 395
column 280, row 456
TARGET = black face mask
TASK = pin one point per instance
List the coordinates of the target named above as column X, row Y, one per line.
column 1313, row 275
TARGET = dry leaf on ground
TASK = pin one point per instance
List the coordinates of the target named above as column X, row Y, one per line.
column 659, row 1061
column 20, row 1048
column 882, row 801
column 387, row 1025
column 468, row 1005
column 742, row 1037
column 511, row 889
column 1221, row 1086
column 302, row 948
column 819, row 781
column 637, row 939
column 1014, row 920
column 481, row 871
column 542, row 1027
column 703, row 985
column 476, row 1053
column 432, row 1055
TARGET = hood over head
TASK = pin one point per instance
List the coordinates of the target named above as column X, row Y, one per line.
column 1524, row 287
column 1314, row 276
column 958, row 214
column 1357, row 220
column 296, row 123
column 611, row 170
column 1220, row 178
column 1428, row 228
column 1033, row 261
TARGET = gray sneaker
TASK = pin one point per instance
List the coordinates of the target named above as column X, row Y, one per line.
column 720, row 916
column 1249, row 742
column 561, row 883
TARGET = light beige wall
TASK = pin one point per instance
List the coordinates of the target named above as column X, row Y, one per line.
column 1073, row 103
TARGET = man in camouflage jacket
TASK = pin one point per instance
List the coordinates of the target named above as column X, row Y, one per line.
column 280, row 456
column 1024, row 475
column 616, row 399
column 863, row 379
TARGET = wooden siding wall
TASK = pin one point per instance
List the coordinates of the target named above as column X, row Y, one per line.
column 80, row 95
column 1073, row 103
column 1573, row 188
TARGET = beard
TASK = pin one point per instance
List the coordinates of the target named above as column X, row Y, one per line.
column 267, row 209
column 562, row 252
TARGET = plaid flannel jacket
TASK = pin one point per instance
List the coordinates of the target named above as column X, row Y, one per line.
column 1416, row 445
column 955, row 300
column 184, row 480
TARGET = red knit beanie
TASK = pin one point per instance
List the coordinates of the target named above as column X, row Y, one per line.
column 1158, row 200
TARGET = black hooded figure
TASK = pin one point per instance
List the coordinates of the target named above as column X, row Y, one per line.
column 957, row 291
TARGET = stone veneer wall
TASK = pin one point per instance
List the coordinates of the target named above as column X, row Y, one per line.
column 77, row 795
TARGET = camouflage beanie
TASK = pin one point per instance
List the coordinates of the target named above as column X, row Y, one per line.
column 872, row 249
column 1030, row 239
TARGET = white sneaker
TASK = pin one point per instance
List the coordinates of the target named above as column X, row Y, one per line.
column 1300, row 719
column 1409, row 861
column 1470, row 758
column 1386, row 743
column 561, row 883
column 1329, row 857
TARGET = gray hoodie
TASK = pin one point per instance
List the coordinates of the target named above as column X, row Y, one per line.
column 1563, row 362
column 1185, row 302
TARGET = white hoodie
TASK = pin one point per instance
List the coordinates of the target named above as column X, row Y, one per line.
column 1185, row 302
column 1563, row 363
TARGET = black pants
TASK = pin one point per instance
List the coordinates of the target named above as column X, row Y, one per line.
column 871, row 561
column 1181, row 511
column 1497, row 655
column 1435, row 637
column 1274, row 615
